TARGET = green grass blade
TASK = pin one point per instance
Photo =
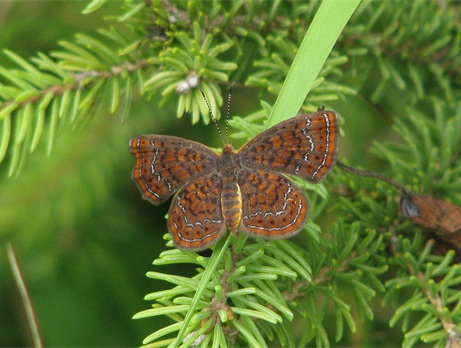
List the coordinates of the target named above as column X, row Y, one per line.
column 213, row 263
column 328, row 23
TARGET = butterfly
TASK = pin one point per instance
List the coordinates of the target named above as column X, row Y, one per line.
column 243, row 191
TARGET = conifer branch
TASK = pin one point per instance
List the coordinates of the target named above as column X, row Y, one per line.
column 399, row 61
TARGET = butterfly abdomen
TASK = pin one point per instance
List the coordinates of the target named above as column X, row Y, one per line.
column 231, row 196
column 231, row 205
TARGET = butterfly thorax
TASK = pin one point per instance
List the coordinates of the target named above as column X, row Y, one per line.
column 231, row 197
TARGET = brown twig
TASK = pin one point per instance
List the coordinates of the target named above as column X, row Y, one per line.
column 373, row 175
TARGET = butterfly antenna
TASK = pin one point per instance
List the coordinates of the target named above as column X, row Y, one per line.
column 229, row 97
column 211, row 115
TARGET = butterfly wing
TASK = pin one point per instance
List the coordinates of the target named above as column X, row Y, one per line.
column 164, row 164
column 273, row 206
column 195, row 218
column 304, row 146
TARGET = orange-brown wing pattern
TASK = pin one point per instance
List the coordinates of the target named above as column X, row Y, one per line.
column 195, row 219
column 304, row 146
column 273, row 206
column 164, row 164
column 245, row 190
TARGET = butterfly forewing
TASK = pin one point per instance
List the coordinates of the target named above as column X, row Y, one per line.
column 274, row 206
column 164, row 164
column 304, row 146
column 195, row 218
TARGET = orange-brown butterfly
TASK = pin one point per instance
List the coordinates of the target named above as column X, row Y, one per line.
column 242, row 190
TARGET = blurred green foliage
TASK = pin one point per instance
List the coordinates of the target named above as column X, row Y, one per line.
column 83, row 236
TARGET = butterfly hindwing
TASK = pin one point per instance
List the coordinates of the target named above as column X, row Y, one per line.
column 274, row 207
column 195, row 218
